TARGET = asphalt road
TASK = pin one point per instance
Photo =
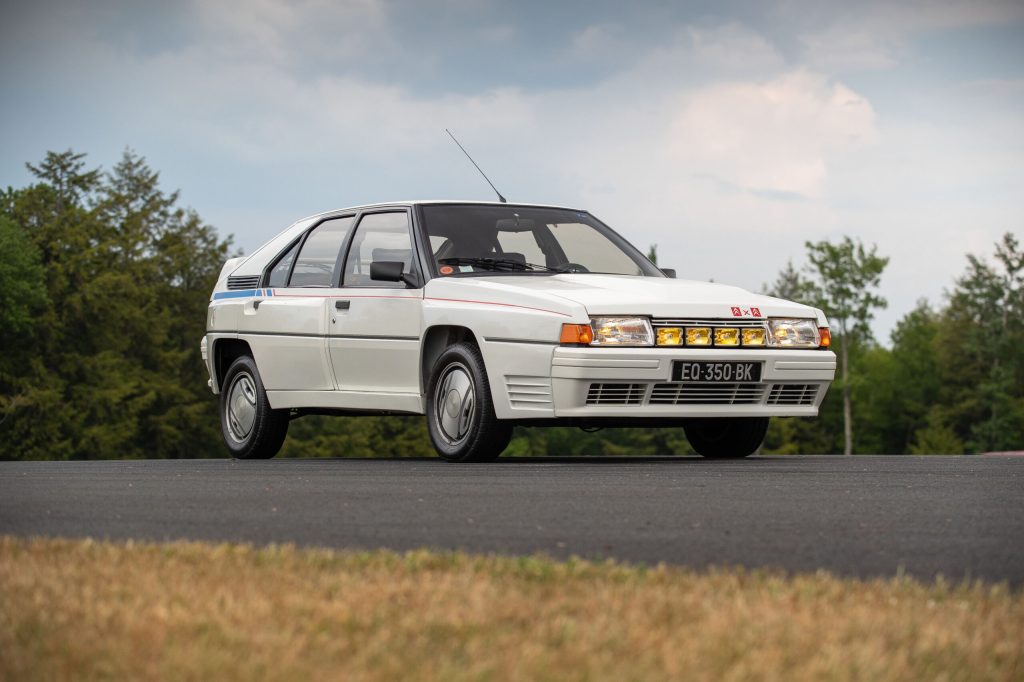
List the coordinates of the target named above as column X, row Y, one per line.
column 865, row 516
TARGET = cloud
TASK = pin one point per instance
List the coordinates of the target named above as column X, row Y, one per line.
column 283, row 29
column 842, row 49
column 876, row 34
column 733, row 47
column 684, row 129
column 594, row 41
column 774, row 136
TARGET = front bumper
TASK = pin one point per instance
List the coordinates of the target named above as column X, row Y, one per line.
column 204, row 351
column 637, row 382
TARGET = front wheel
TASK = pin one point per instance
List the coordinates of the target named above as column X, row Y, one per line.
column 460, row 414
column 730, row 438
column 251, row 429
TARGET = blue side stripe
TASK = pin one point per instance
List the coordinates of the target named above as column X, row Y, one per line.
column 243, row 293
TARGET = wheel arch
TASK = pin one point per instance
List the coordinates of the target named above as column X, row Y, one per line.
column 435, row 340
column 226, row 351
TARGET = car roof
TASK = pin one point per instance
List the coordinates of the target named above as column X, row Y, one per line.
column 421, row 202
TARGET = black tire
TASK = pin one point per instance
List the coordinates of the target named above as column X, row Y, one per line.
column 460, row 413
column 729, row 438
column 242, row 396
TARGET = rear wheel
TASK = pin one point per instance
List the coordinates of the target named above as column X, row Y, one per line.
column 250, row 428
column 460, row 414
column 731, row 438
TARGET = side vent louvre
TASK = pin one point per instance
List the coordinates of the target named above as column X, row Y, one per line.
column 615, row 394
column 243, row 282
column 528, row 392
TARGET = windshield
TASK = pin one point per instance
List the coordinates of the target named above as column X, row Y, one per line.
column 467, row 239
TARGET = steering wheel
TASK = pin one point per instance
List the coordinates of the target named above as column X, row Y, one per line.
column 572, row 267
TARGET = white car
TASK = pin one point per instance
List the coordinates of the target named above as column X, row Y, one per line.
column 486, row 315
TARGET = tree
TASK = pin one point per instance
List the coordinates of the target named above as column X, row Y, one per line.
column 846, row 274
column 792, row 286
column 114, row 370
column 980, row 345
column 22, row 301
column 22, row 283
column 63, row 173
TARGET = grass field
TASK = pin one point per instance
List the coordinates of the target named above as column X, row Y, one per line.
column 87, row 610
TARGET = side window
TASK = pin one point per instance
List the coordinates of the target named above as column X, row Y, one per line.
column 318, row 261
column 379, row 237
column 279, row 273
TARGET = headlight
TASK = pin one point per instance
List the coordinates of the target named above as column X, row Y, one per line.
column 786, row 333
column 622, row 331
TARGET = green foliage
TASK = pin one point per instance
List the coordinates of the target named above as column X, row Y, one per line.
column 112, row 366
column 407, row 437
column 568, row 441
column 23, row 304
column 845, row 275
column 22, row 283
column 358, row 437
column 841, row 279
column 980, row 346
column 893, row 390
column 952, row 382
column 937, row 438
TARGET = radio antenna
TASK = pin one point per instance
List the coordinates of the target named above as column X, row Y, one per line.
column 500, row 198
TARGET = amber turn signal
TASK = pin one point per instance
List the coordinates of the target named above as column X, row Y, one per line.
column 826, row 337
column 576, row 333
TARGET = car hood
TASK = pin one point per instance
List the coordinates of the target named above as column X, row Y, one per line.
column 626, row 295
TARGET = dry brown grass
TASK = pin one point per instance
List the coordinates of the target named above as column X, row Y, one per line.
column 85, row 610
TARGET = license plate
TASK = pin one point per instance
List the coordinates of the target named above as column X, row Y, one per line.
column 714, row 372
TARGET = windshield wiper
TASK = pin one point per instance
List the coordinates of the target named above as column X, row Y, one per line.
column 504, row 264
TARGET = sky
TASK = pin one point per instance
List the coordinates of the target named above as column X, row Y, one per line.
column 727, row 133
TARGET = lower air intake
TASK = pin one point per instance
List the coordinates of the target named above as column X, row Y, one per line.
column 793, row 394
column 707, row 394
column 615, row 394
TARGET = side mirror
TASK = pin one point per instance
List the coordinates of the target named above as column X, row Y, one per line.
column 669, row 272
column 391, row 271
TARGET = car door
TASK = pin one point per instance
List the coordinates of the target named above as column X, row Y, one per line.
column 374, row 337
column 286, row 327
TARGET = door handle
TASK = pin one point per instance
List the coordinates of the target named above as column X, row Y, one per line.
column 342, row 305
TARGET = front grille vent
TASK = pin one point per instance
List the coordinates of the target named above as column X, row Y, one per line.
column 793, row 394
column 615, row 394
column 683, row 322
column 243, row 282
column 707, row 394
